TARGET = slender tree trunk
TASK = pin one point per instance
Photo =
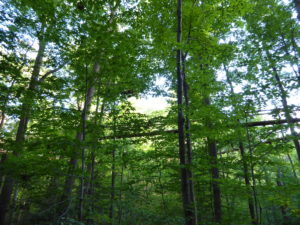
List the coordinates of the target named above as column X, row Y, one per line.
column 212, row 148
column 89, row 190
column 283, row 208
column 245, row 165
column 289, row 158
column 188, row 204
column 294, row 44
column 189, row 147
column 70, row 179
column 3, row 111
column 113, row 187
column 120, row 210
column 2, row 116
column 14, row 210
column 224, row 176
column 256, row 203
column 89, row 95
column 9, row 182
column 292, row 165
column 288, row 116
column 69, row 182
column 248, row 185
column 163, row 200
column 113, row 171
column 2, row 176
column 91, row 165
column 283, row 95
column 84, row 119
column 213, row 154
column 26, row 107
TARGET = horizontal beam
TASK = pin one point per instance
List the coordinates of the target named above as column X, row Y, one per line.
column 153, row 133
column 269, row 122
column 157, row 133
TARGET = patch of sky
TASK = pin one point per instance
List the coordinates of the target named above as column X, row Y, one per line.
column 150, row 102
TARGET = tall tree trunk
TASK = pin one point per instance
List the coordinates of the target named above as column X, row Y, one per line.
column 283, row 95
column 6, row 100
column 91, row 165
column 287, row 114
column 113, row 187
column 9, row 182
column 188, row 204
column 69, row 183
column 189, row 152
column 2, row 176
column 3, row 111
column 248, row 185
column 14, row 210
column 256, row 203
column 212, row 148
column 283, row 208
column 70, row 179
column 113, row 170
column 120, row 209
column 213, row 154
column 292, row 165
column 89, row 190
column 245, row 165
column 84, row 119
column 161, row 186
column 290, row 159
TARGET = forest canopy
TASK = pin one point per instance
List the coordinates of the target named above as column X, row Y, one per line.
column 75, row 150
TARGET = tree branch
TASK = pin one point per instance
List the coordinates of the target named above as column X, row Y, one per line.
column 51, row 72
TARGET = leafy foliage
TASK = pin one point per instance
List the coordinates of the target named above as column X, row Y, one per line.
column 74, row 150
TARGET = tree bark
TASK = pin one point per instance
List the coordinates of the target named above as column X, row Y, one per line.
column 213, row 154
column 292, row 165
column 113, row 170
column 120, row 209
column 9, row 182
column 245, row 165
column 248, row 185
column 89, row 190
column 84, row 119
column 212, row 148
column 256, row 203
column 283, row 208
column 91, row 165
column 283, row 95
column 189, row 147
column 188, row 203
column 287, row 114
column 3, row 111
column 112, row 190
column 70, row 179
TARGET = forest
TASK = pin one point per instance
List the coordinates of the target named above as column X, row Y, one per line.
column 74, row 149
